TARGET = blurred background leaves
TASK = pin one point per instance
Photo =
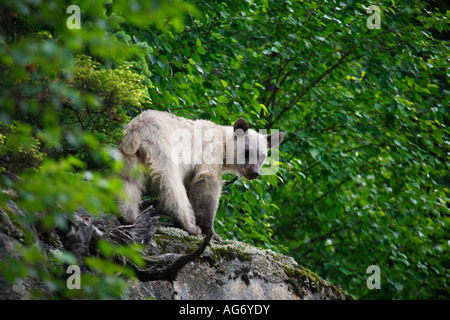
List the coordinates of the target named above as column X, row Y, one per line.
column 363, row 177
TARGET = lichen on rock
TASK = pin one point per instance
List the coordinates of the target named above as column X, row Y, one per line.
column 234, row 270
column 223, row 270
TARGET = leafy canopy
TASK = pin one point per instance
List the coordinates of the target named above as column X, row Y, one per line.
column 364, row 166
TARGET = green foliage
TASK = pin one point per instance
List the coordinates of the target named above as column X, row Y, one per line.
column 111, row 96
column 363, row 177
column 18, row 151
column 65, row 96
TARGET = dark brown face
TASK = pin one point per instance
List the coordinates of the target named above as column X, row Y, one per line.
column 254, row 147
column 251, row 155
column 254, row 154
column 251, row 171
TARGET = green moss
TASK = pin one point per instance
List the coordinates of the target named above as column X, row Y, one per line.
column 303, row 281
column 7, row 209
column 164, row 239
column 173, row 232
column 228, row 249
column 229, row 253
column 301, row 278
column 343, row 294
column 15, row 230
column 304, row 277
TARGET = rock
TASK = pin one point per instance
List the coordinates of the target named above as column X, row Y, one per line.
column 226, row 270
column 232, row 270
column 10, row 236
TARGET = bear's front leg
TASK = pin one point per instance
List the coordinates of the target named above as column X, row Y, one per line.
column 204, row 195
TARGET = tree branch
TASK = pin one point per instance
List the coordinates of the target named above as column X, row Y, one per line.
column 158, row 267
column 302, row 93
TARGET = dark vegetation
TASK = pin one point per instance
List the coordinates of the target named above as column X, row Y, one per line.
column 364, row 169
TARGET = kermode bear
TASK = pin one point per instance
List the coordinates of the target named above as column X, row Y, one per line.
column 186, row 160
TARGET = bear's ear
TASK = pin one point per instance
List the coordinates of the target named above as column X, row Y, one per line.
column 240, row 123
column 274, row 139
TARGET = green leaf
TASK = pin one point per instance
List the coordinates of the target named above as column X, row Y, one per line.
column 398, row 286
column 260, row 85
column 153, row 59
column 223, row 99
column 199, row 69
column 201, row 50
column 314, row 153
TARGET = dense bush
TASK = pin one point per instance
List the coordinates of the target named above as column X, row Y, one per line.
column 363, row 176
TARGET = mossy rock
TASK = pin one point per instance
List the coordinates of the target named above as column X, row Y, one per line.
column 233, row 270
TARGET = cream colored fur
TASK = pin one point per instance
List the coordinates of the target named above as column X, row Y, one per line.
column 189, row 191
